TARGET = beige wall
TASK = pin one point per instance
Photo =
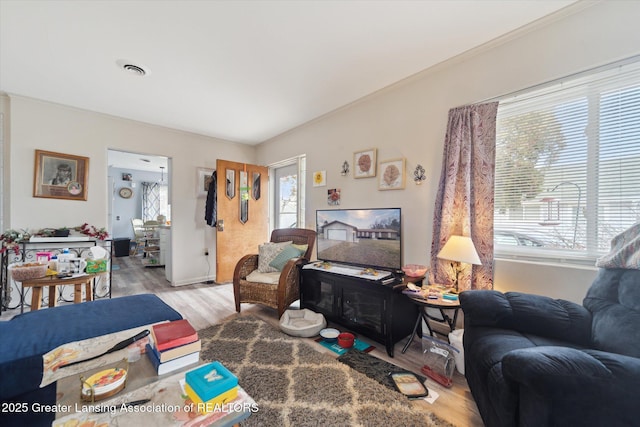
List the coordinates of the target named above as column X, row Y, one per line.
column 405, row 120
column 409, row 120
column 42, row 125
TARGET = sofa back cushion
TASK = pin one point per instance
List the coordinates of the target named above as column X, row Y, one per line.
column 614, row 303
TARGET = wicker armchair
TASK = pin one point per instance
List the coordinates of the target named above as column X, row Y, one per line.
column 287, row 290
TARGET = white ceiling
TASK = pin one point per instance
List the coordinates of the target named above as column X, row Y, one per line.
column 243, row 71
column 135, row 161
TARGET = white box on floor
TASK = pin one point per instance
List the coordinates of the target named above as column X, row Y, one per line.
column 455, row 338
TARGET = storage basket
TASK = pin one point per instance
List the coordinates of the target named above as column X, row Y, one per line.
column 27, row 271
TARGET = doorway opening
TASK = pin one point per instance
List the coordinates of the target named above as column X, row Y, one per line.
column 140, row 193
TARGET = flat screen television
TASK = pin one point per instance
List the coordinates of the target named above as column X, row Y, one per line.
column 361, row 237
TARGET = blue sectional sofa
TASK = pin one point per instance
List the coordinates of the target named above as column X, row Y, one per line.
column 535, row 361
column 27, row 337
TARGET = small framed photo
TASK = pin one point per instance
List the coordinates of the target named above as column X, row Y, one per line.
column 60, row 176
column 127, row 176
column 364, row 163
column 205, row 176
column 391, row 175
column 333, row 197
column 320, row 178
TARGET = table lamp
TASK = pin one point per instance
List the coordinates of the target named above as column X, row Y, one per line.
column 459, row 249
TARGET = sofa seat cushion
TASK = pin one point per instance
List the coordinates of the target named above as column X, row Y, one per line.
column 257, row 277
column 485, row 348
column 28, row 336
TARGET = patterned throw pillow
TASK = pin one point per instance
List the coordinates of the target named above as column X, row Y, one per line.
column 301, row 248
column 284, row 256
column 267, row 252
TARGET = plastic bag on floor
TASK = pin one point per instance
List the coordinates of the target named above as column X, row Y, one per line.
column 439, row 360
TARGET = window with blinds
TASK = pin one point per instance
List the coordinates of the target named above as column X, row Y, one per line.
column 568, row 166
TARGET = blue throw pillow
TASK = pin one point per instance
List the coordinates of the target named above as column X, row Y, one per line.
column 284, row 256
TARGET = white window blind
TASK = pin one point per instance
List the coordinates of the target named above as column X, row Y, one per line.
column 568, row 166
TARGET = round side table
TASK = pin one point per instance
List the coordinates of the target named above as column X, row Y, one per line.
column 440, row 304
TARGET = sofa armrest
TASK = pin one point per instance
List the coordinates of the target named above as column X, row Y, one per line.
column 527, row 313
column 245, row 266
column 551, row 370
column 557, row 371
column 290, row 277
column 290, row 270
column 566, row 386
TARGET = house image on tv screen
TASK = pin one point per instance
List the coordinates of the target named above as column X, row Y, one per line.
column 338, row 230
column 369, row 238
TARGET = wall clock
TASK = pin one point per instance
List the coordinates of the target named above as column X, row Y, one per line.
column 125, row 192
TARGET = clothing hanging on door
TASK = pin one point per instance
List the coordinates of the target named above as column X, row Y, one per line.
column 211, row 207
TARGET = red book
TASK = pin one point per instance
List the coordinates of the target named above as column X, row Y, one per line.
column 173, row 334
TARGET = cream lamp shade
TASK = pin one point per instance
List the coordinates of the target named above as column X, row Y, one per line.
column 460, row 249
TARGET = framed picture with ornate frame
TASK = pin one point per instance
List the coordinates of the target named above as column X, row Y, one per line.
column 392, row 174
column 364, row 163
column 60, row 176
column 204, row 179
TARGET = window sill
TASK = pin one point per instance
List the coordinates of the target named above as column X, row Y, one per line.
column 582, row 263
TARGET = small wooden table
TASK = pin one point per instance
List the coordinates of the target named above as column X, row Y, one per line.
column 52, row 282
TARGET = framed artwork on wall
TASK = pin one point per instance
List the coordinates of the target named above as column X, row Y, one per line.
column 333, row 197
column 320, row 178
column 60, row 176
column 391, row 175
column 204, row 179
column 364, row 163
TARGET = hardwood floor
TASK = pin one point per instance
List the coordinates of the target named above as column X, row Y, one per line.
column 207, row 304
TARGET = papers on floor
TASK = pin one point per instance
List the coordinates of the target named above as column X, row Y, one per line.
column 433, row 396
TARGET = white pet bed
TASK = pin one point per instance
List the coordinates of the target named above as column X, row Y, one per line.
column 302, row 323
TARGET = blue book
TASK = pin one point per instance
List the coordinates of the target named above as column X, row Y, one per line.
column 174, row 353
column 171, row 365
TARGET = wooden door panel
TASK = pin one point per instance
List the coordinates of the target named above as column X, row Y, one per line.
column 237, row 239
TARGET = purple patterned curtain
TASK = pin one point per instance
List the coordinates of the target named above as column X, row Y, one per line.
column 464, row 204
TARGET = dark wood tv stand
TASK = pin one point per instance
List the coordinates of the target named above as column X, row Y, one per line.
column 372, row 308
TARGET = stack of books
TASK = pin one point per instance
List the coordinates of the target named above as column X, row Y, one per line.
column 210, row 386
column 173, row 346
